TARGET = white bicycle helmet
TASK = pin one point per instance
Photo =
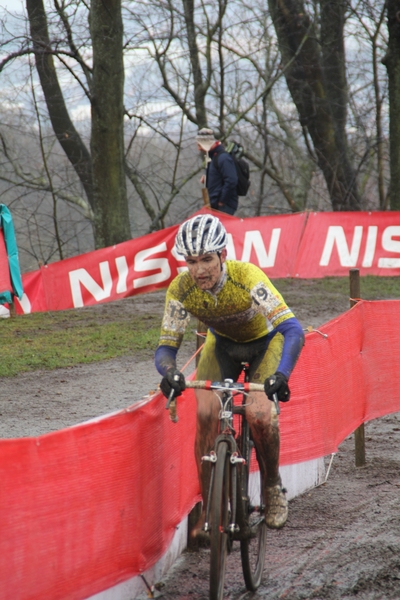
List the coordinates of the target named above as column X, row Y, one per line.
column 202, row 234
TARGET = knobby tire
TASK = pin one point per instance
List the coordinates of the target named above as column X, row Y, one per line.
column 252, row 549
column 219, row 520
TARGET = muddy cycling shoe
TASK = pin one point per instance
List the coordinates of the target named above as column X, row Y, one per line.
column 277, row 507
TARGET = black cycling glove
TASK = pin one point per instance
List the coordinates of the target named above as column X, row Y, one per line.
column 277, row 384
column 173, row 380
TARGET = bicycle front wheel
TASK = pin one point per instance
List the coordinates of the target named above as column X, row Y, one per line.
column 251, row 518
column 219, row 520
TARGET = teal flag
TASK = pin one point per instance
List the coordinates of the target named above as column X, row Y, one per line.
column 6, row 223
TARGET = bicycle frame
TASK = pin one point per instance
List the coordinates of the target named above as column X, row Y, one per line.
column 226, row 435
column 226, row 432
column 228, row 508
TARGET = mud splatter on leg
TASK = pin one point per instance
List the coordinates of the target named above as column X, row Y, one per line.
column 265, row 431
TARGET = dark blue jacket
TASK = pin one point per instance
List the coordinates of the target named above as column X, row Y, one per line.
column 222, row 181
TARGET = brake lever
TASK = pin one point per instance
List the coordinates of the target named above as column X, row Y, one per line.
column 172, row 393
column 276, row 402
column 170, row 398
column 171, row 403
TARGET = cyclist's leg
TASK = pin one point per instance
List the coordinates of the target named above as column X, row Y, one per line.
column 264, row 426
column 222, row 358
column 212, row 367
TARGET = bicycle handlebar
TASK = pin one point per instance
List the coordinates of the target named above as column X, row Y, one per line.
column 234, row 386
column 222, row 386
column 225, row 385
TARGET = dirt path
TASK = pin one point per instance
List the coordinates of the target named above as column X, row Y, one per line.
column 342, row 539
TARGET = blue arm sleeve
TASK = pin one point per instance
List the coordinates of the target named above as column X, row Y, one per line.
column 293, row 336
column 164, row 358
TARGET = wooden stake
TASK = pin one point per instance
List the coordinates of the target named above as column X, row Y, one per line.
column 359, row 433
column 206, row 198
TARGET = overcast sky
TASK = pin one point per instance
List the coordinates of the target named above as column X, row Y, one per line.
column 12, row 5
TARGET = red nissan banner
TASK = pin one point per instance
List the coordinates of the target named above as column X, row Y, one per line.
column 33, row 299
column 138, row 266
column 304, row 245
column 148, row 263
column 335, row 242
column 271, row 243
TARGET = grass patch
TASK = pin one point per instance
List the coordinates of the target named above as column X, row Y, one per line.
column 320, row 291
column 371, row 287
column 62, row 339
column 379, row 288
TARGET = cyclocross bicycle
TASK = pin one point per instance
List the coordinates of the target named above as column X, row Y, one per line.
column 233, row 512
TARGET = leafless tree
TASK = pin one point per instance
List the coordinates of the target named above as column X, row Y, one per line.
column 392, row 63
column 301, row 85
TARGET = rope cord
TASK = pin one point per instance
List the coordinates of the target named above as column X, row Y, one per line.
column 192, row 357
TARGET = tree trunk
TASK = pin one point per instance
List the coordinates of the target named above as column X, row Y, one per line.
column 69, row 138
column 107, row 140
column 200, row 89
column 321, row 104
column 392, row 63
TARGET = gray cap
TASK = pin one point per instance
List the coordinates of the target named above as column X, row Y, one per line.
column 205, row 139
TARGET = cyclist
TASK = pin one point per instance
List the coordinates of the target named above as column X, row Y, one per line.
column 248, row 321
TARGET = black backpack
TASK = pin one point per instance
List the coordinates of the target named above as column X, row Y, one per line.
column 242, row 167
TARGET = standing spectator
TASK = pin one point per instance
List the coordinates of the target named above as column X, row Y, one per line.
column 221, row 176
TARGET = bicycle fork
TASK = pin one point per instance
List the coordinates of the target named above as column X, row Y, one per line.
column 234, row 460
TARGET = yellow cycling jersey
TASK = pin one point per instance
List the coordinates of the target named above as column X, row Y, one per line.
column 244, row 307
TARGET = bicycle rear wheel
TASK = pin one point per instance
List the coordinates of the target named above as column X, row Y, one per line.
column 251, row 517
column 219, row 520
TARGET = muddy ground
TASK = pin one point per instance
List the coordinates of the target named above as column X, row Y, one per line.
column 342, row 540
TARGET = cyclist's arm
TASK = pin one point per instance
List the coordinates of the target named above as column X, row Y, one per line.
column 279, row 318
column 174, row 323
column 165, row 358
column 293, row 337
